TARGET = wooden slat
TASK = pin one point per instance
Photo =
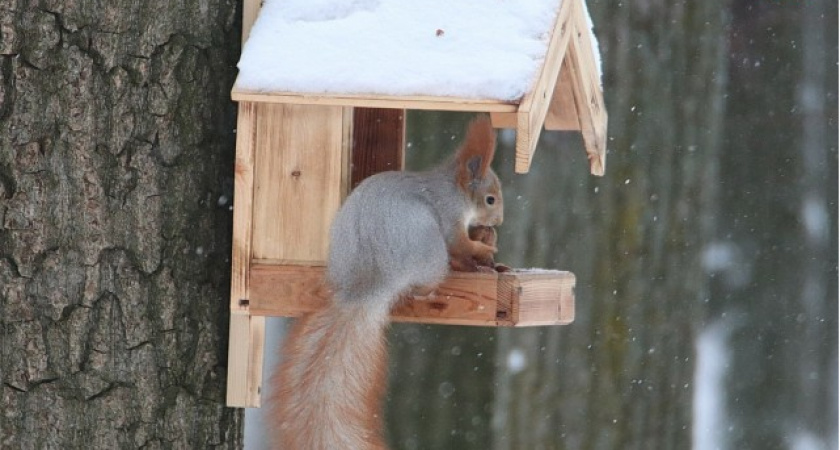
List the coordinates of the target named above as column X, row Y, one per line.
column 243, row 179
column 534, row 106
column 503, row 120
column 378, row 142
column 245, row 338
column 506, row 299
column 586, row 85
column 377, row 101
column 250, row 10
column 562, row 111
column 299, row 179
column 245, row 361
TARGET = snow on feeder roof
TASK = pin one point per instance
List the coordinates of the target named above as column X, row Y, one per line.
column 502, row 57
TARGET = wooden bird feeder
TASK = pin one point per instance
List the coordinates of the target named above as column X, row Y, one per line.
column 299, row 154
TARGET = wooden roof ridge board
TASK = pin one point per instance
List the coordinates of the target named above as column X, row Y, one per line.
column 565, row 95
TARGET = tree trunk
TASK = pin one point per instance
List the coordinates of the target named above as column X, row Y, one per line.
column 780, row 217
column 116, row 148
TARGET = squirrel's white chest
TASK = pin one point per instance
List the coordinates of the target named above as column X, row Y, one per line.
column 469, row 217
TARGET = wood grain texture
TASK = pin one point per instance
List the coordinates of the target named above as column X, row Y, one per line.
column 562, row 111
column 250, row 10
column 503, row 120
column 543, row 300
column 244, row 334
column 534, row 105
column 378, row 142
column 245, row 360
column 377, row 101
column 243, row 178
column 299, row 179
column 586, row 85
column 506, row 299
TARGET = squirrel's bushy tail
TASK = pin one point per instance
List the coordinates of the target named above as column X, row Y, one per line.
column 329, row 387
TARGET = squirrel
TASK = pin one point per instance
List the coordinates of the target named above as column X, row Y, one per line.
column 398, row 233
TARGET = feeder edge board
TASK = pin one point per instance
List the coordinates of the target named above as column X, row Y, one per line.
column 586, row 82
column 534, row 105
column 247, row 333
column 378, row 101
column 506, row 299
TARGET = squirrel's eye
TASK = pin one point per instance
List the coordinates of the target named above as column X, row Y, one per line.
column 490, row 199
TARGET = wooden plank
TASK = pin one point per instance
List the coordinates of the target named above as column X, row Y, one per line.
column 245, row 360
column 506, row 299
column 534, row 106
column 250, row 10
column 463, row 299
column 377, row 101
column 243, row 179
column 503, row 120
column 589, row 99
column 562, row 111
column 378, row 142
column 541, row 300
column 299, row 179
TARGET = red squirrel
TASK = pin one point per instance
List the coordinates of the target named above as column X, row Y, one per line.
column 397, row 233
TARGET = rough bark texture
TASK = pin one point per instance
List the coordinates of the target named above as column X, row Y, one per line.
column 116, row 148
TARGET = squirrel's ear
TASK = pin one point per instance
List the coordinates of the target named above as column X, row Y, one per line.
column 476, row 153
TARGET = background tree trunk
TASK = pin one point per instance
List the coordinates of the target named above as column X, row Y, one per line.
column 780, row 218
column 116, row 148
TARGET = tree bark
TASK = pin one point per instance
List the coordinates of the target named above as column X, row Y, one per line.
column 116, row 148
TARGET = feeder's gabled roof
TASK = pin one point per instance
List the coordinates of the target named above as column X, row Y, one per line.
column 500, row 56
column 468, row 48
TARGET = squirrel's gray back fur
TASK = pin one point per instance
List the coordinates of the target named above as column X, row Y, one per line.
column 392, row 233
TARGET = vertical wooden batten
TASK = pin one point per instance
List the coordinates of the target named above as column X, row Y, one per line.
column 246, row 332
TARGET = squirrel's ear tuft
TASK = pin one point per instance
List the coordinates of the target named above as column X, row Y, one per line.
column 476, row 153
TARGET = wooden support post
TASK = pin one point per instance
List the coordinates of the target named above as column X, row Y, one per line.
column 250, row 10
column 300, row 179
column 244, row 329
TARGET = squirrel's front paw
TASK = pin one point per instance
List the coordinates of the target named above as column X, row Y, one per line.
column 463, row 263
column 484, row 258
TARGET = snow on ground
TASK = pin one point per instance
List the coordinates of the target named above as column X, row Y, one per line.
column 709, row 404
column 467, row 48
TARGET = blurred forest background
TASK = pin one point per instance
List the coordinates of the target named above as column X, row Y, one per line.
column 706, row 258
